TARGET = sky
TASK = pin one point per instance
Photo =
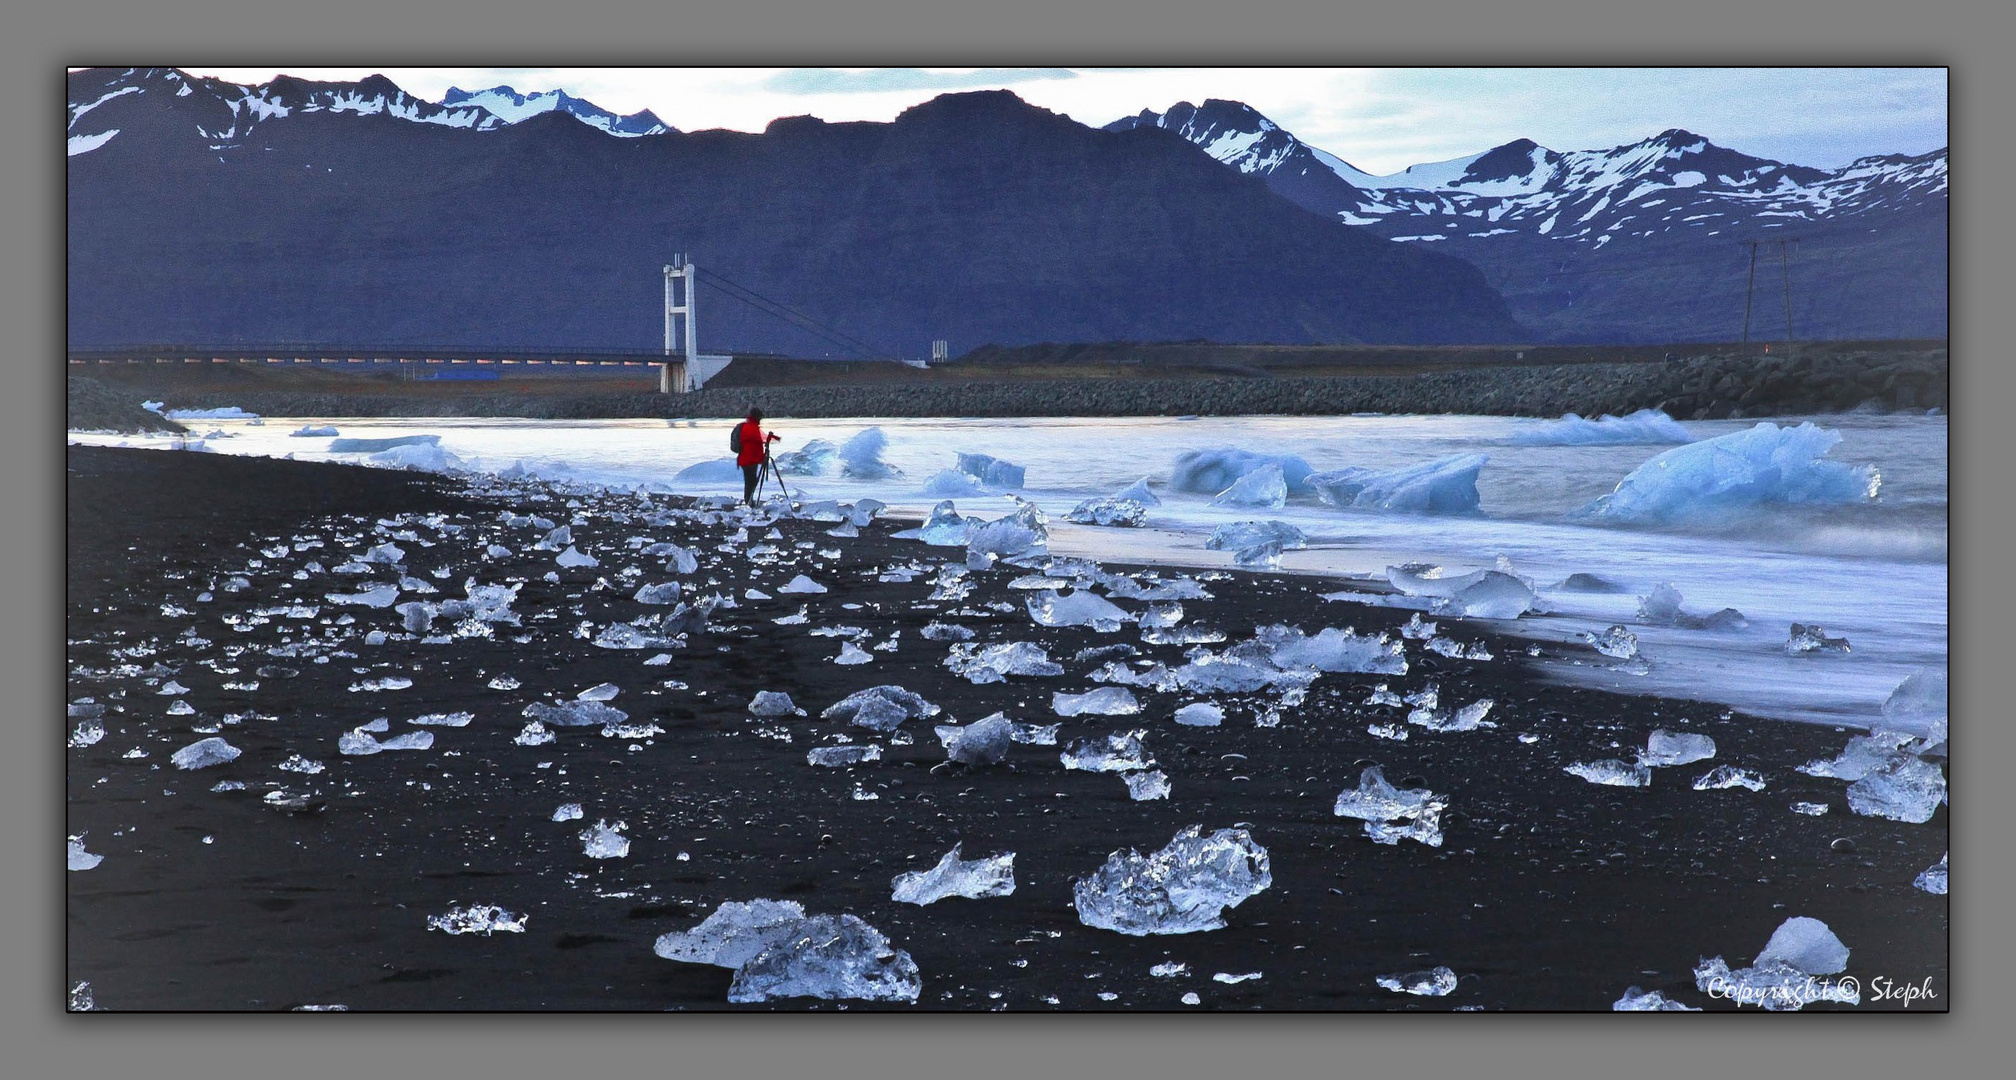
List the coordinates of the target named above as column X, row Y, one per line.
column 1379, row 119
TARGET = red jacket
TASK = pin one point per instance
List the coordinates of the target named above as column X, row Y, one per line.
column 752, row 444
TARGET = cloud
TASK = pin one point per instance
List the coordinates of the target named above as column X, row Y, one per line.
column 899, row 80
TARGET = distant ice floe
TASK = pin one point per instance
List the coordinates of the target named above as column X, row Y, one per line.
column 1209, row 472
column 1643, row 426
column 374, row 446
column 718, row 471
column 1707, row 480
column 1446, row 486
column 228, row 412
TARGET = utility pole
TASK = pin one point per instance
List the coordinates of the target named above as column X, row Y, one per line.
column 1750, row 287
column 1785, row 267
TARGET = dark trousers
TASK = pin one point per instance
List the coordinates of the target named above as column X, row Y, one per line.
column 750, row 474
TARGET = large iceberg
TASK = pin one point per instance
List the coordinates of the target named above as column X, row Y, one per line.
column 1447, row 486
column 861, row 456
column 1643, row 426
column 1730, row 473
column 828, row 956
column 974, row 879
column 1208, row 472
column 1183, row 888
column 816, row 458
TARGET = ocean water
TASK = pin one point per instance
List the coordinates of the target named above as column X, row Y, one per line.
column 1875, row 573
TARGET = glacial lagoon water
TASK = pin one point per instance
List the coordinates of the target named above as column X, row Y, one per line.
column 1873, row 572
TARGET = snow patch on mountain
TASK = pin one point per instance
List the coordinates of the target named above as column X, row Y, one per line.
column 511, row 106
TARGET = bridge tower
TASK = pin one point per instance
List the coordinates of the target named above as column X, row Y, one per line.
column 676, row 375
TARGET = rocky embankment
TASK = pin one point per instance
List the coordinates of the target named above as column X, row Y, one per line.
column 1700, row 387
column 92, row 405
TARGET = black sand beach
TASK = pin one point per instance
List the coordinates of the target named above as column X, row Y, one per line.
column 1548, row 893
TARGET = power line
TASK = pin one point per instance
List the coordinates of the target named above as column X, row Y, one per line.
column 729, row 287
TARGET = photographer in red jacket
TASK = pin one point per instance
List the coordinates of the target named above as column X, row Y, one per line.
column 752, row 449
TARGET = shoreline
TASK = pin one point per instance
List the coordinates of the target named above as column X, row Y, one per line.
column 1548, row 892
column 1699, row 387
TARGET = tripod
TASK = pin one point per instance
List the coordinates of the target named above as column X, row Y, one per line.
column 769, row 472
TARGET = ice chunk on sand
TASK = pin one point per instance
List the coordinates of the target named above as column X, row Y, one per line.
column 573, row 557
column 994, row 663
column 1907, row 789
column 426, row 458
column 1120, row 752
column 204, row 753
column 1637, row 999
column 851, row 653
column 1611, row 772
column 1035, row 734
column 1728, row 776
column 1810, row 809
column 1435, row 982
column 1146, row 786
column 841, row 756
column 816, row 458
column 1208, row 472
column 733, row 934
column 568, row 812
column 983, row 742
column 768, row 703
column 879, row 708
column 599, row 692
column 576, row 713
column 1378, row 803
column 1239, row 535
column 534, row 734
column 385, row 554
column 87, row 733
column 1263, row 487
column 80, row 859
column 1123, row 513
column 944, row 527
column 1183, row 888
column 1617, row 642
column 801, row 584
column 941, row 631
column 1933, row 880
column 1732, row 473
column 1813, row 639
column 1676, row 748
column 828, row 956
column 1105, row 701
column 1919, row 704
column 1806, row 944
column 667, row 593
column 1169, row 970
column 1446, row 486
column 485, row 919
column 1200, row 714
column 992, row 471
column 605, row 841
column 1024, row 532
column 1335, row 650
column 1078, row 609
column 975, row 879
column 1643, row 426
column 1863, row 754
column 360, row 743
column 374, row 596
column 81, row 998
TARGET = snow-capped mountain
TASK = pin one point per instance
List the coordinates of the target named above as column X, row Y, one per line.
column 1675, row 209
column 1674, row 181
column 224, row 114
column 511, row 106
